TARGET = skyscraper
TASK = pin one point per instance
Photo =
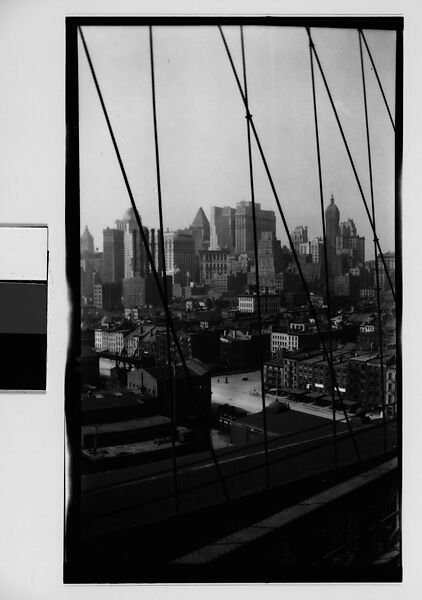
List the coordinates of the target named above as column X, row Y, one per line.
column 350, row 244
column 332, row 229
column 269, row 255
column 300, row 236
column 135, row 257
column 87, row 242
column 222, row 228
column 179, row 248
column 345, row 249
column 200, row 229
column 317, row 250
column 91, row 264
column 113, row 267
column 265, row 222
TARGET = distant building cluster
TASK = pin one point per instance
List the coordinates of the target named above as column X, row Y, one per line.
column 211, row 288
column 219, row 256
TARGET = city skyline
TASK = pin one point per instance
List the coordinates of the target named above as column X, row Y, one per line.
column 311, row 236
column 200, row 111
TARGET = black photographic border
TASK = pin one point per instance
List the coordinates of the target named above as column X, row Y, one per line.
column 72, row 572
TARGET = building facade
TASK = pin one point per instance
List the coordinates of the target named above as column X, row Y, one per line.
column 213, row 263
column 179, row 248
column 265, row 222
column 293, row 340
column 188, row 405
column 300, row 236
column 87, row 242
column 136, row 261
column 332, row 229
column 390, row 390
column 222, row 228
column 270, row 303
column 269, row 255
column 113, row 255
column 200, row 230
column 110, row 341
column 133, row 292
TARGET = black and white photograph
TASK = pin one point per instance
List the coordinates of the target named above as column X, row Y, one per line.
column 233, row 230
column 210, row 289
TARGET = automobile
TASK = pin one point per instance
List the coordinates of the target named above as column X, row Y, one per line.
column 245, row 378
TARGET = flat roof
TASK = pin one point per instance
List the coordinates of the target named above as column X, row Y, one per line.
column 133, row 424
column 102, row 400
column 365, row 357
column 196, row 368
column 122, row 450
column 298, row 425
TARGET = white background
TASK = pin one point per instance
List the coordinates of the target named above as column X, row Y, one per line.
column 25, row 253
column 32, row 167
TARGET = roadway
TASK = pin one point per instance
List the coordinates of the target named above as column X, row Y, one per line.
column 239, row 393
column 118, row 500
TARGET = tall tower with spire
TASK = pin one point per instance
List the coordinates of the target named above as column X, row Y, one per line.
column 332, row 230
column 87, row 242
column 200, row 229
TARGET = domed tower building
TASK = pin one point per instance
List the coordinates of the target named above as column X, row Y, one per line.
column 332, row 229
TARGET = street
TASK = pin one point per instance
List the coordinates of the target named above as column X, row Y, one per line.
column 239, row 393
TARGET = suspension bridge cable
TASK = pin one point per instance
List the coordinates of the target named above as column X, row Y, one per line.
column 289, row 237
column 378, row 79
column 371, row 185
column 324, row 234
column 151, row 260
column 172, row 383
column 258, row 293
column 346, row 145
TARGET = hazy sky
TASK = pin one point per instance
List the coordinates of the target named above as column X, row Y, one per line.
column 202, row 128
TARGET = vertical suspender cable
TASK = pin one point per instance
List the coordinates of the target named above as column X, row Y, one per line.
column 172, row 383
column 289, row 237
column 151, row 259
column 352, row 164
column 324, row 233
column 258, row 291
column 378, row 79
column 371, row 184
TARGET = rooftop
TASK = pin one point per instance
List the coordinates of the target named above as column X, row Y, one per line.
column 297, row 425
column 108, row 400
column 141, row 423
column 124, row 450
column 196, row 368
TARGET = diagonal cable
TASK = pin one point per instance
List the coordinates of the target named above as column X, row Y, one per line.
column 346, row 145
column 371, row 183
column 378, row 79
column 258, row 292
column 172, row 383
column 324, row 233
column 283, row 218
column 150, row 259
